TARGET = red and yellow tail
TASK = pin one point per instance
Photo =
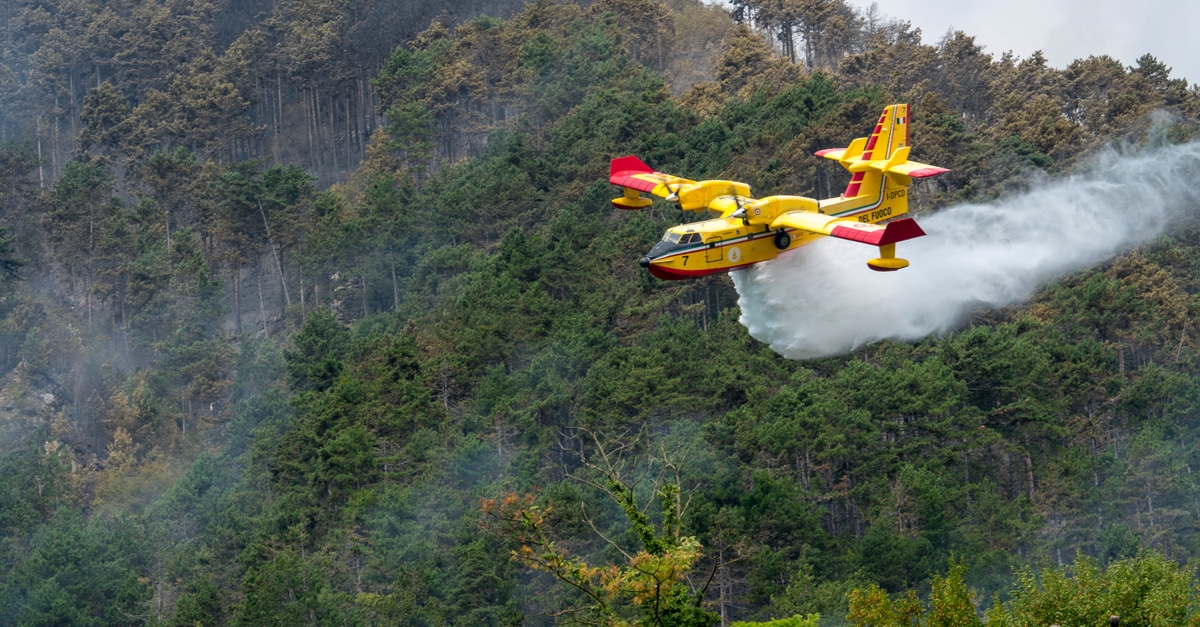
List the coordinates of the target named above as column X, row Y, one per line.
column 880, row 171
column 886, row 141
column 890, row 134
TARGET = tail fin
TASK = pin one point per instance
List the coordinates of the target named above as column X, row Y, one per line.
column 889, row 136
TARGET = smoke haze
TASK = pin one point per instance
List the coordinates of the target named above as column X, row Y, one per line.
column 822, row 300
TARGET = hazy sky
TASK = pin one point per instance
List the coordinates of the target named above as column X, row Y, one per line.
column 1065, row 30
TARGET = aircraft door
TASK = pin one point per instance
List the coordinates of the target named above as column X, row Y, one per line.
column 712, row 250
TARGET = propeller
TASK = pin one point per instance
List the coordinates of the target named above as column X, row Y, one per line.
column 674, row 195
column 741, row 209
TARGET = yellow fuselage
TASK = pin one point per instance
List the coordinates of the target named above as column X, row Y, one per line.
column 728, row 243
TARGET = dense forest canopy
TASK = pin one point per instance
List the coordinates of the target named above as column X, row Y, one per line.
column 316, row 312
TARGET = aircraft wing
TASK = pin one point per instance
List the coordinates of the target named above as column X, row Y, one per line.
column 853, row 230
column 633, row 173
column 634, row 176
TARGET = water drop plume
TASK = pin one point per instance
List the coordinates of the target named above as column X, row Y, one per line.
column 821, row 300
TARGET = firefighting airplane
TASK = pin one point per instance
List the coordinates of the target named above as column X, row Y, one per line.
column 751, row 230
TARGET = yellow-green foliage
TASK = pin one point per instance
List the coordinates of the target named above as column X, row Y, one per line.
column 872, row 607
column 811, row 620
column 951, row 605
column 1145, row 591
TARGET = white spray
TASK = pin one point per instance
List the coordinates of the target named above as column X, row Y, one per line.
column 822, row 300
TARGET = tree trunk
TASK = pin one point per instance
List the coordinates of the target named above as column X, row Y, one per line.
column 349, row 136
column 300, row 271
column 54, row 144
column 1029, row 474
column 362, row 281
column 395, row 286
column 277, row 113
column 724, row 589
column 312, row 154
column 237, row 298
column 41, row 161
column 333, row 135
column 809, row 49
column 275, row 254
column 262, row 306
column 74, row 106
column 316, row 122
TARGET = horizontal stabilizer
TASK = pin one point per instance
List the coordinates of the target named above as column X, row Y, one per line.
column 925, row 171
column 845, row 156
column 898, row 166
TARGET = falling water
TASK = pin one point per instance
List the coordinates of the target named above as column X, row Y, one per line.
column 822, row 300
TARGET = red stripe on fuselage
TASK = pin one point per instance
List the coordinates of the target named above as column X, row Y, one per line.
column 671, row 274
column 871, row 144
column 855, row 182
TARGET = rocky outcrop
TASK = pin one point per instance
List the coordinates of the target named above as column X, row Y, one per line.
column 29, row 402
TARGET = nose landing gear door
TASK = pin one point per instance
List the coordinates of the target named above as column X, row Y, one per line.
column 712, row 249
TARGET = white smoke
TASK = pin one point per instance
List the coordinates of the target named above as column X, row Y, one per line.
column 822, row 300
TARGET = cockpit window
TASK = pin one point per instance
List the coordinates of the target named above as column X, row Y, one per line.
column 672, row 238
column 690, row 238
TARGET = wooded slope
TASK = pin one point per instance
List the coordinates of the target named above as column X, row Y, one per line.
column 232, row 395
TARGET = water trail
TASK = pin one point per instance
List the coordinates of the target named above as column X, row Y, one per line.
column 822, row 300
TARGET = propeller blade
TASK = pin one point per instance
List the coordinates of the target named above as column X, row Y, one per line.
column 741, row 209
column 674, row 195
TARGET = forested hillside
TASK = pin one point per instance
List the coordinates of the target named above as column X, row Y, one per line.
column 317, row 312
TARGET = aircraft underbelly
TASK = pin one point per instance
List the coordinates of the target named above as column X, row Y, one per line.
column 734, row 254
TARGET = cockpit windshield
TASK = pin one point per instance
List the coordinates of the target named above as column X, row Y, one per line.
column 681, row 238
